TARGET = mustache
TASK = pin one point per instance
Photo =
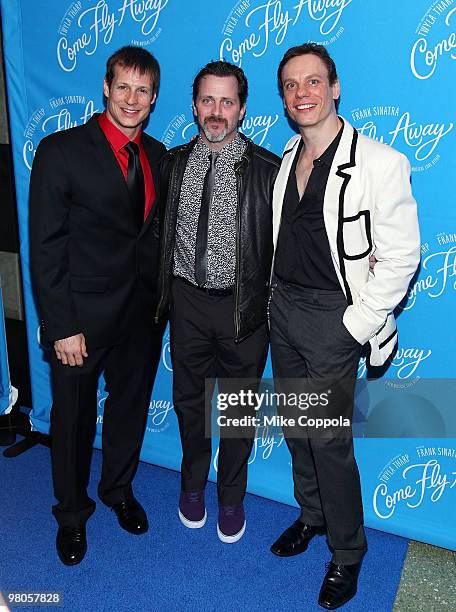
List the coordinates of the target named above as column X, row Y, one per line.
column 215, row 118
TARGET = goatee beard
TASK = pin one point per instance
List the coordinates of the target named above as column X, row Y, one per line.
column 214, row 137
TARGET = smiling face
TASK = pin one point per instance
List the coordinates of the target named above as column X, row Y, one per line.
column 129, row 99
column 308, row 97
column 218, row 110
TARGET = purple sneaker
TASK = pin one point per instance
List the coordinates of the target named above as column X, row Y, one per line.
column 231, row 523
column 192, row 511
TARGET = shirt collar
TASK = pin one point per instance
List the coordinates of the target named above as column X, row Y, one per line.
column 234, row 148
column 116, row 137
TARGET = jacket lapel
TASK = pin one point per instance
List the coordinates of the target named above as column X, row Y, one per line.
column 334, row 202
column 338, row 180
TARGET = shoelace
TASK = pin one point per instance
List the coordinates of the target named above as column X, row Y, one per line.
column 229, row 510
column 194, row 497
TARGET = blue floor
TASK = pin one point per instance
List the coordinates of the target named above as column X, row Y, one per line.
column 171, row 568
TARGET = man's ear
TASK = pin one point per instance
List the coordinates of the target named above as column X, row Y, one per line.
column 336, row 90
column 195, row 112
column 105, row 89
column 242, row 113
column 154, row 97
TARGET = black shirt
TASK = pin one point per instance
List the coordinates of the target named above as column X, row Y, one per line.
column 303, row 255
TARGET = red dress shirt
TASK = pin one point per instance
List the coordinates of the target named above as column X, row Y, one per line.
column 118, row 140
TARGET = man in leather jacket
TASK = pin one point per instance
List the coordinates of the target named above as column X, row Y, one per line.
column 216, row 259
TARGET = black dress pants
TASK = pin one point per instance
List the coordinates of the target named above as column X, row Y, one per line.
column 309, row 340
column 129, row 370
column 202, row 347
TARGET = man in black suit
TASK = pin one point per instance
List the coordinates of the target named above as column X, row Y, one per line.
column 93, row 248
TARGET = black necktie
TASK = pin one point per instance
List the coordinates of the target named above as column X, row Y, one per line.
column 203, row 221
column 135, row 181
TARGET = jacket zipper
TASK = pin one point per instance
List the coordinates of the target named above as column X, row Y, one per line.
column 237, row 325
column 165, row 232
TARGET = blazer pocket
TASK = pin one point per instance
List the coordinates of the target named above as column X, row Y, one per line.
column 356, row 233
column 89, row 284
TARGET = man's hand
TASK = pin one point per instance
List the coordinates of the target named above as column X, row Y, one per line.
column 372, row 262
column 72, row 350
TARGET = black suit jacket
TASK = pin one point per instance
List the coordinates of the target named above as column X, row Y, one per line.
column 93, row 271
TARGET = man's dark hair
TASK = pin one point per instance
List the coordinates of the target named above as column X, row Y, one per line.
column 223, row 69
column 306, row 49
column 136, row 58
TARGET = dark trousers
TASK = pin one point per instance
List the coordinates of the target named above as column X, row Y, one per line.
column 309, row 340
column 203, row 347
column 129, row 370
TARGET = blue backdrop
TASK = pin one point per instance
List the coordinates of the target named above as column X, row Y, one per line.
column 396, row 62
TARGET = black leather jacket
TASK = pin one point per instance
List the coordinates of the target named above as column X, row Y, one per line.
column 256, row 172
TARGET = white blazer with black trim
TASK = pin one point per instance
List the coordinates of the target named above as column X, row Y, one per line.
column 368, row 209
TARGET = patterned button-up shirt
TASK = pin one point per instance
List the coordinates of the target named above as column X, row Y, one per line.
column 221, row 243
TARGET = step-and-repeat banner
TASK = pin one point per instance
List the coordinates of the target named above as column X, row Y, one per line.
column 396, row 62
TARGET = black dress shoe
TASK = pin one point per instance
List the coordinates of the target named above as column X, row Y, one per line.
column 295, row 539
column 339, row 586
column 71, row 544
column 131, row 516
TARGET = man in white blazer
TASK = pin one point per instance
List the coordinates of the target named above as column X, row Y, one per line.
column 339, row 199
